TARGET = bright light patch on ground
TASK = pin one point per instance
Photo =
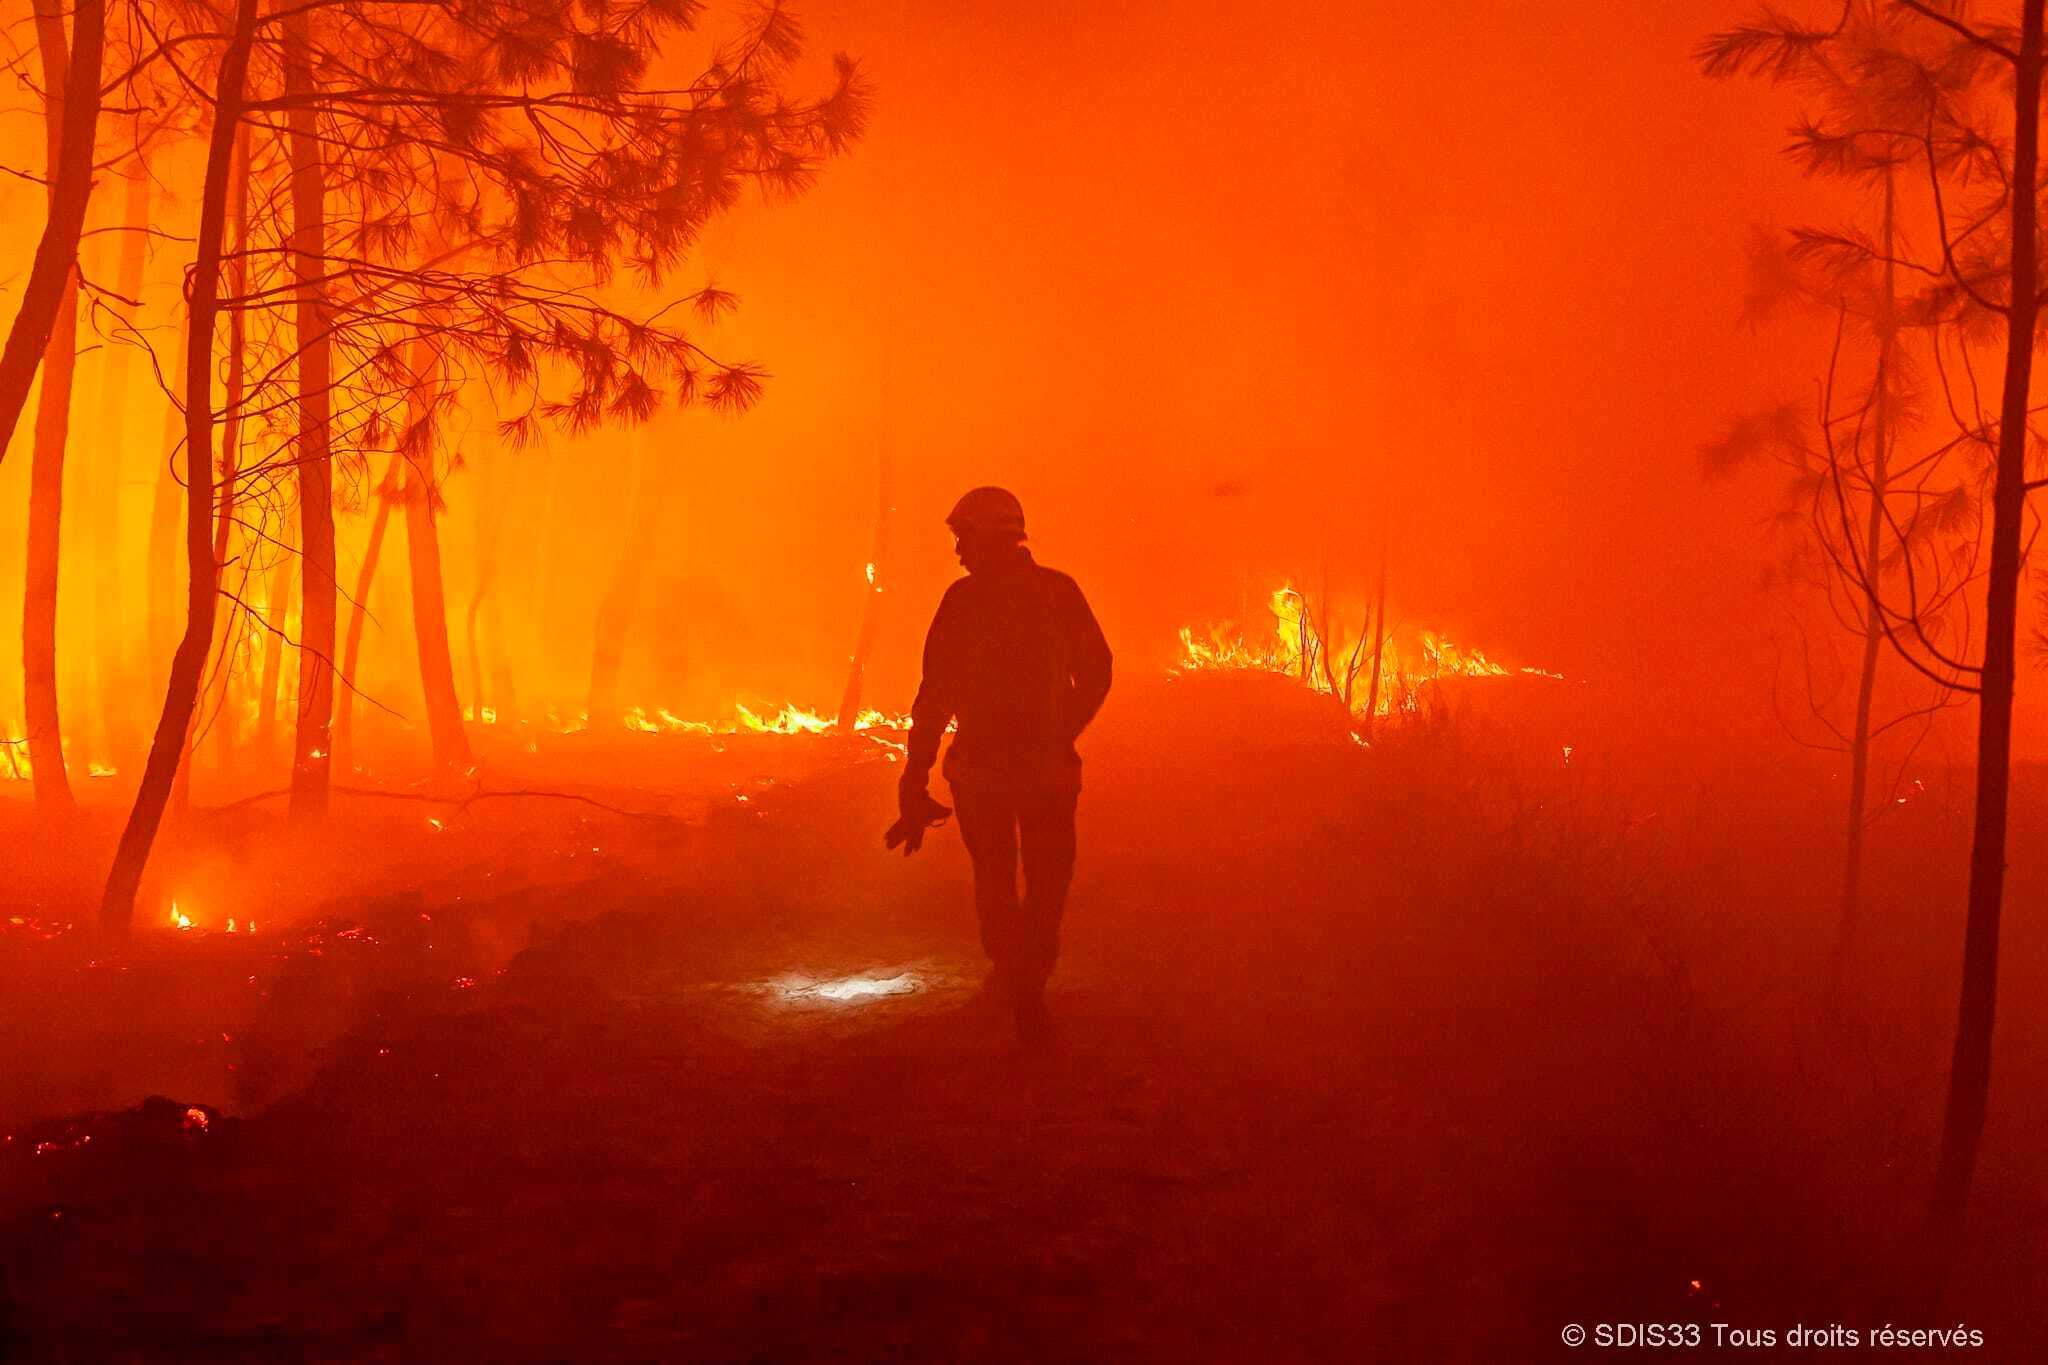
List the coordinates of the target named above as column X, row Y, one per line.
column 848, row 989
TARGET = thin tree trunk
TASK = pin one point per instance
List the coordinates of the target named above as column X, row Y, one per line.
column 504, row 700
column 1325, row 643
column 359, row 607
column 276, row 611
column 46, row 462
column 871, row 601
column 430, row 626
column 113, row 669
column 1873, row 620
column 117, row 906
column 1970, row 1072
column 1379, row 637
column 72, row 84
column 311, row 756
column 615, row 614
column 237, row 271
column 487, row 554
column 160, row 598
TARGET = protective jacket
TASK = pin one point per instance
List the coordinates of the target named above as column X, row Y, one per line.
column 1015, row 657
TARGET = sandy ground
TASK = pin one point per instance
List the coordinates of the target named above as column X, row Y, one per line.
column 1345, row 1067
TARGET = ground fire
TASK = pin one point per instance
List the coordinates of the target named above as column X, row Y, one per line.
column 826, row 679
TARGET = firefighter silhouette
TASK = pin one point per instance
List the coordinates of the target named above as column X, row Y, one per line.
column 1015, row 660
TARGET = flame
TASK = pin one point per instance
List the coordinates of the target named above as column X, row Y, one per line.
column 179, row 919
column 788, row 719
column 1341, row 667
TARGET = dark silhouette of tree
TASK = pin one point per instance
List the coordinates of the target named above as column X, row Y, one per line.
column 71, row 86
column 421, row 494
column 387, row 495
column 1865, row 74
column 613, row 165
column 312, row 741
column 483, row 602
column 522, row 136
column 2017, row 56
column 113, row 660
column 131, row 855
column 70, row 116
column 1979, row 142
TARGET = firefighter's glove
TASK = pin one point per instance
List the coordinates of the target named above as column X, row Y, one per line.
column 916, row 812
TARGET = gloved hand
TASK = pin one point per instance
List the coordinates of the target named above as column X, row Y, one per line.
column 916, row 812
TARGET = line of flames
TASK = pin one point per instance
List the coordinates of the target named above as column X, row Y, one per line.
column 790, row 719
column 1294, row 647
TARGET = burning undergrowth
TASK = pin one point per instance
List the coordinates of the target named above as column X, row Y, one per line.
column 1384, row 667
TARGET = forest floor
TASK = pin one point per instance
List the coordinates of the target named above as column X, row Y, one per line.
column 1358, row 1054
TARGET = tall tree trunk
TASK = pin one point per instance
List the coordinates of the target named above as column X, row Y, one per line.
column 1969, row 1086
column 112, row 658
column 429, row 599
column 615, row 613
column 311, row 756
column 871, row 600
column 276, row 612
column 71, row 80
column 359, row 608
column 160, row 598
column 237, row 272
column 46, row 462
column 490, row 527
column 131, row 856
column 1873, row 619
column 39, row 598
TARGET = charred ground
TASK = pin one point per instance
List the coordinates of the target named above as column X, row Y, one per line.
column 1412, row 1052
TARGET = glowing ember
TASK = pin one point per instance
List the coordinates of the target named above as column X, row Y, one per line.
column 195, row 1120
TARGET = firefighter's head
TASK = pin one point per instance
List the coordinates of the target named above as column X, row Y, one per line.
column 988, row 526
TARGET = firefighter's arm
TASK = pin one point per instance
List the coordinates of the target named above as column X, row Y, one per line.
column 930, row 714
column 932, row 711
column 1091, row 664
